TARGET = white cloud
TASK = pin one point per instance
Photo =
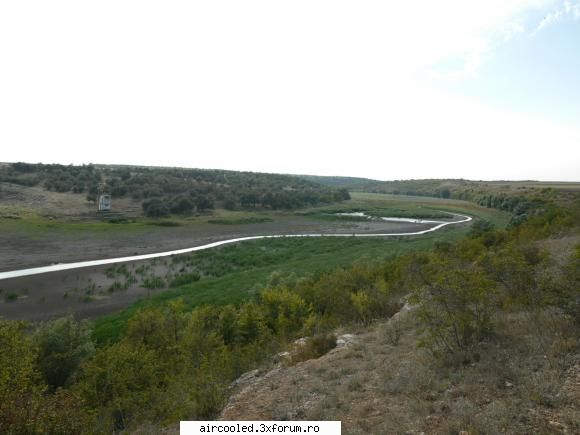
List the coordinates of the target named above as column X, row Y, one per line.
column 565, row 10
column 572, row 9
column 551, row 18
column 320, row 86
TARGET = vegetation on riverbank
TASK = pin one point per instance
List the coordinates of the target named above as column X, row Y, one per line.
column 175, row 360
column 235, row 273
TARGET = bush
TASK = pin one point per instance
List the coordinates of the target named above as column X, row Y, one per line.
column 393, row 331
column 10, row 297
column 480, row 227
column 154, row 282
column 563, row 292
column 155, row 208
column 62, row 345
column 186, row 278
column 314, row 347
column 456, row 305
column 181, row 205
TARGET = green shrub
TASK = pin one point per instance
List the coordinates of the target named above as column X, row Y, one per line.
column 154, row 282
column 155, row 208
column 455, row 306
column 10, row 297
column 315, row 347
column 62, row 344
column 186, row 278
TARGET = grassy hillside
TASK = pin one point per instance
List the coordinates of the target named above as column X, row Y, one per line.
column 164, row 191
column 348, row 182
column 434, row 187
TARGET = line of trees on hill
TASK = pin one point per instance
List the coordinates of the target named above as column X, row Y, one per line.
column 522, row 203
column 175, row 363
column 166, row 191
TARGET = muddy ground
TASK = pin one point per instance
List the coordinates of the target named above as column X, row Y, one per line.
column 89, row 292
column 70, row 231
column 19, row 250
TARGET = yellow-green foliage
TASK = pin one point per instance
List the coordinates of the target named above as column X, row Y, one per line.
column 313, row 347
column 285, row 311
column 24, row 408
column 174, row 363
column 62, row 345
column 457, row 301
column 20, row 391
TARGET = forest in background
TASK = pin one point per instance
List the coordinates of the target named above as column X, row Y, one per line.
column 520, row 198
column 164, row 191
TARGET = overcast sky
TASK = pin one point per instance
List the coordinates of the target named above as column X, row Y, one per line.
column 485, row 89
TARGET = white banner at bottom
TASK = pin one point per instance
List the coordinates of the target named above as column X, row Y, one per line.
column 260, row 427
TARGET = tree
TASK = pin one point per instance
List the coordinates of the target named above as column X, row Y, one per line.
column 362, row 304
column 230, row 203
column 181, row 205
column 285, row 311
column 121, row 381
column 63, row 344
column 456, row 304
column 344, row 194
column 20, row 389
column 155, row 208
column 204, row 202
column 564, row 290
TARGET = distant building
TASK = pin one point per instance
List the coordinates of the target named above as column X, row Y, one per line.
column 104, row 203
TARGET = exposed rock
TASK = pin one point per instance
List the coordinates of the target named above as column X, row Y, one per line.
column 344, row 340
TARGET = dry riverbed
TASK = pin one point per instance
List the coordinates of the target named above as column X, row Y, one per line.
column 93, row 291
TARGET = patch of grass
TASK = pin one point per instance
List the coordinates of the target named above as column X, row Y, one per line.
column 154, row 282
column 314, row 347
column 233, row 273
column 184, row 279
column 10, row 297
column 336, row 217
column 115, row 286
column 121, row 220
column 33, row 224
column 165, row 223
column 240, row 221
column 383, row 205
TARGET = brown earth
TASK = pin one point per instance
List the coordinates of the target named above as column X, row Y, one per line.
column 377, row 387
column 81, row 292
column 57, row 205
column 24, row 247
column 84, row 292
column 20, row 250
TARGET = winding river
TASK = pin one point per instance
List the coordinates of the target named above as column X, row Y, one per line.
column 80, row 264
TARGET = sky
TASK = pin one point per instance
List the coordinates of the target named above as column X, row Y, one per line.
column 484, row 89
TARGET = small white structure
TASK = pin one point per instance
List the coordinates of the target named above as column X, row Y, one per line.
column 104, row 203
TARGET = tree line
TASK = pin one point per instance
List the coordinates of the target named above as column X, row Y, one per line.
column 164, row 191
column 522, row 203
